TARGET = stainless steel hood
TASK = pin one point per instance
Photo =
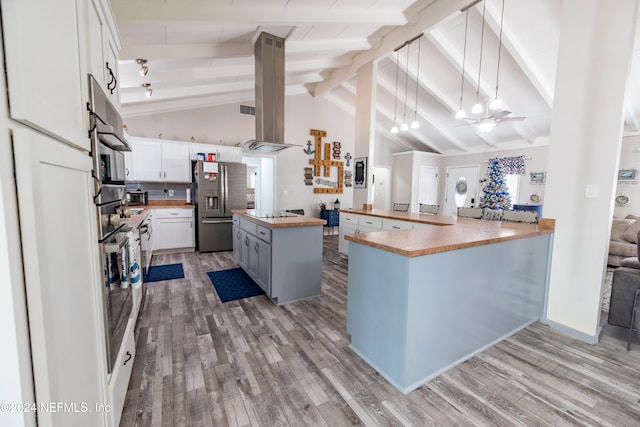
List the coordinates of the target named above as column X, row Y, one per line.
column 270, row 88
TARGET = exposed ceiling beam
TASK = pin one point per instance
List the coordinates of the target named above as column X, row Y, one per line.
column 520, row 54
column 148, row 106
column 631, row 119
column 236, row 50
column 426, row 19
column 217, row 13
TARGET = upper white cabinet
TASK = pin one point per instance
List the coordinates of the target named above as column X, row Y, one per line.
column 102, row 48
column 158, row 161
column 44, row 72
column 223, row 153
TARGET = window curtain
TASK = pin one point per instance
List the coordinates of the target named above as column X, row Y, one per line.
column 513, row 165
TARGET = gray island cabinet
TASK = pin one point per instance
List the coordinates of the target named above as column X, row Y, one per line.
column 282, row 255
column 421, row 301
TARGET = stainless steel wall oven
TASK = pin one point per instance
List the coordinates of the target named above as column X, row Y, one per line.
column 108, row 145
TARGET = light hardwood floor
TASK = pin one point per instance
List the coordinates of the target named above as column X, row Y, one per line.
column 249, row 362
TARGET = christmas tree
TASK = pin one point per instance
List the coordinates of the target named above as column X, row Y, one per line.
column 496, row 193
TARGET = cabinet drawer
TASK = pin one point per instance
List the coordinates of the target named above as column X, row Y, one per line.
column 264, row 233
column 347, row 218
column 248, row 226
column 174, row 213
column 370, row 222
column 122, row 372
column 394, row 224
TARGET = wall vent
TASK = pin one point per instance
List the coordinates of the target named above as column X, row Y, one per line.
column 246, row 109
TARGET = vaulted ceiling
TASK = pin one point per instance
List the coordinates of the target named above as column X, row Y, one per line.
column 200, row 53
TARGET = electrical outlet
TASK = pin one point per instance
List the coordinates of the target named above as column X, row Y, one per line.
column 170, row 193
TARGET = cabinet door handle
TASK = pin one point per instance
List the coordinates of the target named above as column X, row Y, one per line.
column 128, row 357
column 165, row 174
column 127, row 169
column 256, row 248
column 160, row 174
column 175, row 213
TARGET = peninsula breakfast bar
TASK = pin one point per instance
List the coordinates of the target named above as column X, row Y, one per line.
column 421, row 301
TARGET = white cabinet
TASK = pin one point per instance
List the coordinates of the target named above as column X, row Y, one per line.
column 102, row 47
column 173, row 229
column 158, row 161
column 343, row 245
column 44, row 72
column 58, row 227
column 122, row 372
column 223, row 153
column 395, row 224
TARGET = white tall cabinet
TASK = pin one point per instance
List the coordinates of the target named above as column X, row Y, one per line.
column 51, row 47
column 59, row 235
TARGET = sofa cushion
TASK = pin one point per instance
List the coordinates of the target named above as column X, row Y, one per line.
column 623, row 249
column 631, row 233
column 619, row 226
column 631, row 262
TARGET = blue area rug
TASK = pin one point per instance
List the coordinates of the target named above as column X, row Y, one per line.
column 234, row 284
column 158, row 273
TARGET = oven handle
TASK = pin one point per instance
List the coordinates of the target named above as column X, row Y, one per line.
column 216, row 221
column 110, row 248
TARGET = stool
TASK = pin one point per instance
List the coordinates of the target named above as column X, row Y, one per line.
column 625, row 296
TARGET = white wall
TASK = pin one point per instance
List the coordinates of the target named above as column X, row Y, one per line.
column 406, row 176
column 225, row 125
column 536, row 163
column 629, row 159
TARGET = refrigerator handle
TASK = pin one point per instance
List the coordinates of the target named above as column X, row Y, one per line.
column 226, row 189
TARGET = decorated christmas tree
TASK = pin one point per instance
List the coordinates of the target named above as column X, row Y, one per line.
column 496, row 193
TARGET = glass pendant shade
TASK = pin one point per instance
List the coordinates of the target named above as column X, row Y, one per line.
column 460, row 114
column 495, row 105
column 404, row 126
column 395, row 129
column 477, row 109
column 415, row 124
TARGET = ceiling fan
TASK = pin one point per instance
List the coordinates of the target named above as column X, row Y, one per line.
column 485, row 124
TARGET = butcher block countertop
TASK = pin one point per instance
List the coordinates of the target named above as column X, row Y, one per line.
column 454, row 233
column 293, row 220
column 136, row 220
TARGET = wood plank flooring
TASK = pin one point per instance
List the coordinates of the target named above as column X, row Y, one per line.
column 250, row 363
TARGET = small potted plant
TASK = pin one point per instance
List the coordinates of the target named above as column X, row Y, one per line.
column 323, row 205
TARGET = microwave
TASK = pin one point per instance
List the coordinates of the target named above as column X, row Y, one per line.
column 137, row 198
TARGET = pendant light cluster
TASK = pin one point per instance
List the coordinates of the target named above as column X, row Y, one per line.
column 495, row 105
column 415, row 124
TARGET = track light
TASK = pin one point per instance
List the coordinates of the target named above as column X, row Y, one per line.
column 149, row 91
column 143, row 67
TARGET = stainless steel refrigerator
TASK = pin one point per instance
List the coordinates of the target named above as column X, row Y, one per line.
column 219, row 188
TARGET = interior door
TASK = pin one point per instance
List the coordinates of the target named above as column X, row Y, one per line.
column 470, row 173
column 381, row 199
column 428, row 185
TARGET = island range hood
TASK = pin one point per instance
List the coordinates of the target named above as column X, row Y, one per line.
column 270, row 88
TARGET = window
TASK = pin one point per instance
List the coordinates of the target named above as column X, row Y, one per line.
column 513, row 185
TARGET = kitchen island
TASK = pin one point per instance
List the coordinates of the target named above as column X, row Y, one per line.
column 422, row 300
column 281, row 252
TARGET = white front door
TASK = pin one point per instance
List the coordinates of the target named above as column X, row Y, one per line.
column 470, row 174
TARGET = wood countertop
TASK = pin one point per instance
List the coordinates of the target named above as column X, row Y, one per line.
column 290, row 221
column 135, row 220
column 454, row 233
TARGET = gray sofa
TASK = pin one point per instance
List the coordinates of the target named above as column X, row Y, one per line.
column 624, row 237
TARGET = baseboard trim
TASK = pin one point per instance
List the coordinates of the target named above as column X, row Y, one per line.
column 589, row 339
